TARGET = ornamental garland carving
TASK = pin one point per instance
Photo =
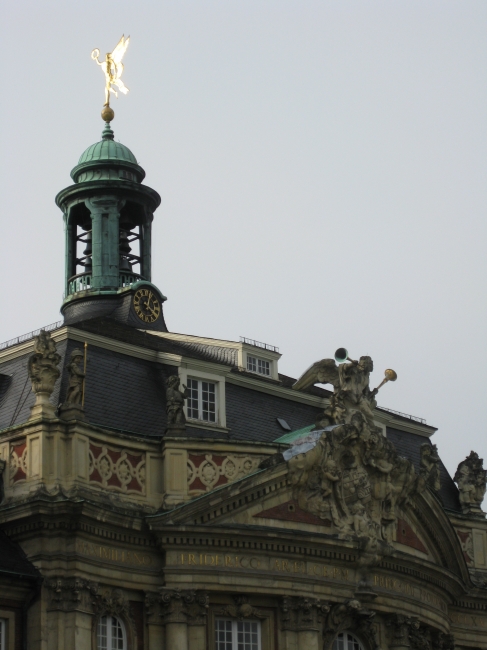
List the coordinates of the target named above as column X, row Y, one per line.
column 117, row 469
column 206, row 471
column 241, row 609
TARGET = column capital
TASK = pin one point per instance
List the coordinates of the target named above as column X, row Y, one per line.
column 299, row 614
column 183, row 606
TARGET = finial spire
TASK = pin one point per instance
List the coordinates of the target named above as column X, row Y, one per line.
column 107, row 133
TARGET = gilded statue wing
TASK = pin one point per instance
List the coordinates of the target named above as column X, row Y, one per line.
column 120, row 49
column 321, row 372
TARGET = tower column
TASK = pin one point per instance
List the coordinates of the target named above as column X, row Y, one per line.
column 145, row 249
column 105, row 215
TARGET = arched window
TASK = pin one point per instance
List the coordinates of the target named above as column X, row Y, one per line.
column 347, row 641
column 110, row 634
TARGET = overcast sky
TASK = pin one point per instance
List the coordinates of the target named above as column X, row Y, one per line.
column 322, row 167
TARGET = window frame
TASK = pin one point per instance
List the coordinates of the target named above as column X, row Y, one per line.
column 235, row 624
column 200, row 400
column 123, row 627
column 259, row 361
column 186, row 373
column 355, row 639
column 8, row 620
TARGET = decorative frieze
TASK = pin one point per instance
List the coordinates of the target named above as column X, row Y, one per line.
column 207, row 471
column 117, row 469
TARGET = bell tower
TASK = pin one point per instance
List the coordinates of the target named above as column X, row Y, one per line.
column 108, row 215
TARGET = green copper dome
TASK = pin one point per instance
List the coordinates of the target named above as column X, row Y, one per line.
column 107, row 149
column 107, row 160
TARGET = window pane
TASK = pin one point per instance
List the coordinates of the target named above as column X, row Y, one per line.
column 117, row 635
column 223, row 635
column 208, row 401
column 102, row 634
column 248, row 633
column 252, row 364
column 346, row 641
column 264, row 367
column 193, row 399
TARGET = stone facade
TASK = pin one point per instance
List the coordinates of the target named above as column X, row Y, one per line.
column 173, row 534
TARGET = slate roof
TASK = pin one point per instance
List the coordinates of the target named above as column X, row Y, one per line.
column 14, row 561
column 127, row 393
column 409, row 446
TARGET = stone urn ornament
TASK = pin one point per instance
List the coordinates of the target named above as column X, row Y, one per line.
column 43, row 374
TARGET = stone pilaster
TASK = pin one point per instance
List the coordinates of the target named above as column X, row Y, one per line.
column 184, row 614
column 69, row 616
column 302, row 622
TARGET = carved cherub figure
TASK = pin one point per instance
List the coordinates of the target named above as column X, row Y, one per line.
column 175, row 402
column 471, row 478
column 42, row 365
column 430, row 466
column 74, row 393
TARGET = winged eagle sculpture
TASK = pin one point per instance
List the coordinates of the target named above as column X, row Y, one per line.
column 350, row 381
column 112, row 68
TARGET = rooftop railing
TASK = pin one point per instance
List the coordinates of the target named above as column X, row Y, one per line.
column 259, row 344
column 30, row 335
column 404, row 415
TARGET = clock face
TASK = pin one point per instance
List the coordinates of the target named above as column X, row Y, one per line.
column 146, row 305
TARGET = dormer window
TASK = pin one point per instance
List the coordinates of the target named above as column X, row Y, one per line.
column 201, row 400
column 261, row 366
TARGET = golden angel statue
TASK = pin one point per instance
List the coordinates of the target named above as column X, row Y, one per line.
column 113, row 68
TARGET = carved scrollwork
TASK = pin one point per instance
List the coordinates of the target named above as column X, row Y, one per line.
column 71, row 594
column 205, row 472
column 350, row 615
column 183, row 606
column 300, row 614
column 117, row 469
column 409, row 632
column 241, row 609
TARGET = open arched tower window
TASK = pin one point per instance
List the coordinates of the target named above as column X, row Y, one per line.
column 111, row 634
column 347, row 641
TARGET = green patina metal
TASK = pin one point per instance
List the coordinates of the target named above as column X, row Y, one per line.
column 106, row 205
column 295, row 435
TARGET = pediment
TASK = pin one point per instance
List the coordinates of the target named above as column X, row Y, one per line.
column 271, row 499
